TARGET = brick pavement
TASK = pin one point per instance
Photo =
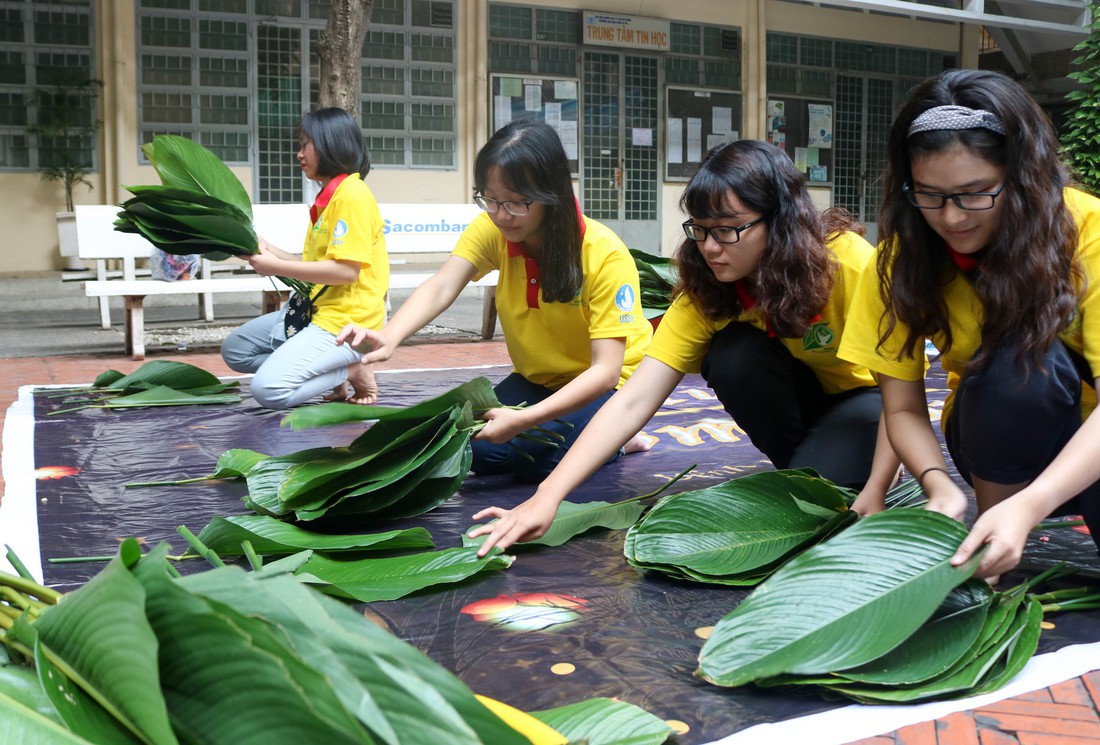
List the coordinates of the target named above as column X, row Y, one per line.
column 1064, row 714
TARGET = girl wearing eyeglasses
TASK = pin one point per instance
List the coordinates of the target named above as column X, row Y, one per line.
column 765, row 282
column 987, row 252
column 567, row 299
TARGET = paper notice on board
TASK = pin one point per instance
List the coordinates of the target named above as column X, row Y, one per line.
column 800, row 158
column 820, row 126
column 502, row 111
column 565, row 90
column 694, row 139
column 675, row 130
column 641, row 137
column 568, row 133
column 511, row 87
column 553, row 114
column 532, row 97
column 721, row 120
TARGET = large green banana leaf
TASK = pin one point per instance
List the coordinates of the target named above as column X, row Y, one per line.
column 185, row 164
column 737, row 531
column 98, row 640
column 229, row 230
column 573, row 519
column 19, row 683
column 841, row 603
column 170, row 373
column 25, row 726
column 162, row 395
column 605, row 721
column 478, row 392
column 268, row 536
column 181, row 200
column 372, row 580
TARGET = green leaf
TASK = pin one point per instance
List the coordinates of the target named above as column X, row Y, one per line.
column 605, row 721
column 25, row 726
column 841, row 603
column 161, row 395
column 269, row 536
column 178, row 375
column 372, row 580
column 573, row 519
column 78, row 710
column 100, row 639
column 185, row 164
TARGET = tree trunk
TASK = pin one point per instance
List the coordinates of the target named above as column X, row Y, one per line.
column 340, row 51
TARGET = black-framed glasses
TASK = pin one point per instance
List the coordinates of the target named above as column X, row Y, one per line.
column 516, row 208
column 720, row 233
column 932, row 200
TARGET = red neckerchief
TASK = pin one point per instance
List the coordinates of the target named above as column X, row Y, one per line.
column 324, row 198
column 748, row 302
column 533, row 274
column 965, row 262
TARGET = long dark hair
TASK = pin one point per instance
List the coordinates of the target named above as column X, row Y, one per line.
column 338, row 140
column 1028, row 278
column 532, row 162
column 795, row 274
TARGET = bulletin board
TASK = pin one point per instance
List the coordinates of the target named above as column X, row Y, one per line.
column 545, row 99
column 697, row 120
column 804, row 129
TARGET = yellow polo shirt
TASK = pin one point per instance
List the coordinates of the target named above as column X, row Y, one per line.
column 965, row 314
column 549, row 343
column 684, row 334
column 350, row 229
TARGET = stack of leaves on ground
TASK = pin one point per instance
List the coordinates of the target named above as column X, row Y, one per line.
column 227, row 656
column 878, row 614
column 199, row 208
column 657, row 276
column 156, row 383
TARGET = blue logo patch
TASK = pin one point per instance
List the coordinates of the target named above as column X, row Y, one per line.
column 625, row 298
column 340, row 230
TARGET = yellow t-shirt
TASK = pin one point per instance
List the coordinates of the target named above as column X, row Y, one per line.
column 964, row 316
column 549, row 343
column 684, row 334
column 350, row 229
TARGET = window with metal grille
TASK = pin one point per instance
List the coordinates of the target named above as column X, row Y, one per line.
column 48, row 109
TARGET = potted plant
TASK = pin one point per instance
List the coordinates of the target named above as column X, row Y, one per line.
column 67, row 125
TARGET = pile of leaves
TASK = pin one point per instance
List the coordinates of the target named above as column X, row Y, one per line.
column 657, row 276
column 200, row 207
column 878, row 614
column 156, row 383
column 139, row 654
column 738, row 532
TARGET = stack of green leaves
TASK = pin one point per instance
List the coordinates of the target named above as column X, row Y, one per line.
column 156, row 383
column 740, row 531
column 200, row 207
column 227, row 656
column 878, row 614
column 657, row 276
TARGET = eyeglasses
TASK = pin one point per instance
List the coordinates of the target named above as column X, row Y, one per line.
column 720, row 233
column 931, row 200
column 513, row 207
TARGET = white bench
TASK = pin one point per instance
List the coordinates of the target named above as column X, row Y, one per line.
column 411, row 229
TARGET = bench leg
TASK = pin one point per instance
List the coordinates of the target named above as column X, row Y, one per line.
column 273, row 300
column 135, row 326
column 206, row 306
column 104, row 301
column 489, row 313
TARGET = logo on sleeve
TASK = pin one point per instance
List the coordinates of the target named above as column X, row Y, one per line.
column 340, row 230
column 624, row 301
column 818, row 336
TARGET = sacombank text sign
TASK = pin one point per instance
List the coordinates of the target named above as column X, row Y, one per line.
column 426, row 227
column 627, row 32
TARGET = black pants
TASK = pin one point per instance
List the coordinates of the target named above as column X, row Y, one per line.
column 1006, row 424
column 779, row 403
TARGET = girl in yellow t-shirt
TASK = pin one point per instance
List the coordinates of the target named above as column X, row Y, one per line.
column 567, row 299
column 765, row 282
column 987, row 253
column 344, row 258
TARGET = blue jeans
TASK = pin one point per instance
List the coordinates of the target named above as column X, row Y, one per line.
column 509, row 457
column 288, row 372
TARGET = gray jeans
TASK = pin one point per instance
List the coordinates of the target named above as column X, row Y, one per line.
column 288, row 372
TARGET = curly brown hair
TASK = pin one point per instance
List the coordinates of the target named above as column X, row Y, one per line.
column 1029, row 278
column 793, row 281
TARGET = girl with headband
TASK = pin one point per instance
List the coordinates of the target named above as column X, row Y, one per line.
column 989, row 253
column 765, row 284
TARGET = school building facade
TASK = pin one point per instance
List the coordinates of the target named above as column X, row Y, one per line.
column 637, row 90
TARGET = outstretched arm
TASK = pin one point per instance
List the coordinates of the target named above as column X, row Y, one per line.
column 624, row 414
column 427, row 301
column 884, row 472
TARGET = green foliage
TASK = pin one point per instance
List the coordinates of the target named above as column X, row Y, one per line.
column 67, row 124
column 1081, row 137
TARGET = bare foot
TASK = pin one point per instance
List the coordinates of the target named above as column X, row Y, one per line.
column 339, row 393
column 639, row 443
column 362, row 381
